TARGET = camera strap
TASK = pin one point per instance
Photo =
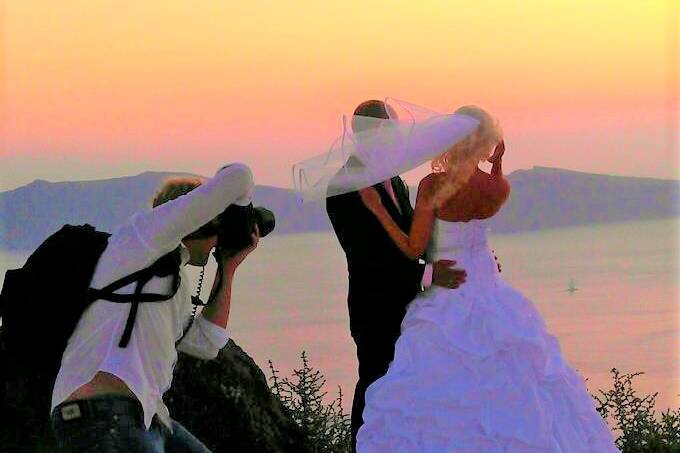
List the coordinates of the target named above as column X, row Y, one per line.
column 196, row 301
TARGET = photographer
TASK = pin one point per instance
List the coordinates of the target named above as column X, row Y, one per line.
column 108, row 397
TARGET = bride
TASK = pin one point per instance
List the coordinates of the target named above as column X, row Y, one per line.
column 474, row 369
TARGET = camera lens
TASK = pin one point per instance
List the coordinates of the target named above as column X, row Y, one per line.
column 265, row 220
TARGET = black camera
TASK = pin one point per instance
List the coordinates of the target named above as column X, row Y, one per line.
column 236, row 224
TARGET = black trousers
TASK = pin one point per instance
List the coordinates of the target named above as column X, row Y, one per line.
column 375, row 351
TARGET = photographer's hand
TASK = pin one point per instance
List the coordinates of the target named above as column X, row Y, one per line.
column 217, row 311
column 230, row 260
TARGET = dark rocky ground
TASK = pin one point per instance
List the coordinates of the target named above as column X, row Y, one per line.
column 227, row 404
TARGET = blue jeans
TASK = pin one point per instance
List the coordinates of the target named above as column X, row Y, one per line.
column 114, row 423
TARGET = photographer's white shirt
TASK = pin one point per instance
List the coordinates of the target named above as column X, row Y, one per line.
column 147, row 363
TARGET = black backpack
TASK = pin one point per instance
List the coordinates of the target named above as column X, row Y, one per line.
column 40, row 305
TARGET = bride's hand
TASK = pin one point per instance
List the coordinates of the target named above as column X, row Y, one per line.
column 497, row 152
column 371, row 199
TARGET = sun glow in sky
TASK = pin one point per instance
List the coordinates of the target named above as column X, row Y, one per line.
column 95, row 89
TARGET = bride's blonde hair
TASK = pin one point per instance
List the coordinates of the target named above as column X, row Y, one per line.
column 460, row 161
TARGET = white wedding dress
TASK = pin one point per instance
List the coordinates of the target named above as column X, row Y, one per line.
column 476, row 371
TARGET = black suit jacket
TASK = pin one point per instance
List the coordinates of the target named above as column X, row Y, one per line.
column 382, row 279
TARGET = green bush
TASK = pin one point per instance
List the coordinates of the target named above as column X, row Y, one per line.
column 634, row 419
column 326, row 426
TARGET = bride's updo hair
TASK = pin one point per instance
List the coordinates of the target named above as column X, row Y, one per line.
column 461, row 160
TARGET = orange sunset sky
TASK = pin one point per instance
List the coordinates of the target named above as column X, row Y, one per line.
column 96, row 89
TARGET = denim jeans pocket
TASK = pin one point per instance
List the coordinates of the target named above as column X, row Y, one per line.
column 103, row 425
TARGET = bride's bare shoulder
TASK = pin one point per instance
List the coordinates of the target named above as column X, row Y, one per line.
column 428, row 184
column 430, row 180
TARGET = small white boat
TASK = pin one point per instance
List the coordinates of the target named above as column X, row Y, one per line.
column 572, row 286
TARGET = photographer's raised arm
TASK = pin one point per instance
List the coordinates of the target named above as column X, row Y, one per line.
column 152, row 233
column 167, row 224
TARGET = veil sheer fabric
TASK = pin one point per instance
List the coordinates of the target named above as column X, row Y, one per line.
column 371, row 150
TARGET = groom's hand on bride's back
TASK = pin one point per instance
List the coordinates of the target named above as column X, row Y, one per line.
column 444, row 274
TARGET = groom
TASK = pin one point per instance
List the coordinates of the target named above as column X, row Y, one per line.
column 382, row 280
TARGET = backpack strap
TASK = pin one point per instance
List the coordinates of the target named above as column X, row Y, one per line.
column 166, row 265
column 108, row 293
column 129, row 324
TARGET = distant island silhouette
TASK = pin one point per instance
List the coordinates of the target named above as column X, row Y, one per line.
column 541, row 198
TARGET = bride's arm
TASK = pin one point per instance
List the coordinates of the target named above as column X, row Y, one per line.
column 495, row 186
column 414, row 244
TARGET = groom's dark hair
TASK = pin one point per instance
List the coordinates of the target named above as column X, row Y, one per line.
column 371, row 108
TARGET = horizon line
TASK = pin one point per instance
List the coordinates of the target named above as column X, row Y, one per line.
column 178, row 173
